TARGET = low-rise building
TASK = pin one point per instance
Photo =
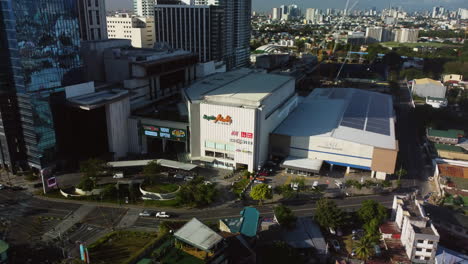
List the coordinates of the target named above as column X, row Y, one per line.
column 436, row 102
column 418, row 235
column 452, row 77
column 450, row 136
column 428, row 88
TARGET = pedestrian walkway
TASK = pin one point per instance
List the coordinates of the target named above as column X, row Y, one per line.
column 129, row 218
column 68, row 222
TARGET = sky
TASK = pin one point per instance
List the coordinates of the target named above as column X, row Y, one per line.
column 267, row 5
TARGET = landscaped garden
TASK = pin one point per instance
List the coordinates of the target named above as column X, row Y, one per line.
column 121, row 246
column 169, row 254
column 160, row 187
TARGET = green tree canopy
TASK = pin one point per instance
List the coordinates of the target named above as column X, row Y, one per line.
column 370, row 210
column 151, row 171
column 285, row 216
column 327, row 214
column 364, row 248
column 261, row 192
column 196, row 193
column 93, row 167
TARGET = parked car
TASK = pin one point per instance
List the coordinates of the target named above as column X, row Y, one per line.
column 336, row 245
column 339, row 184
column 315, row 184
column 179, row 176
column 258, row 181
column 2, row 187
column 162, row 215
column 353, row 253
column 118, row 175
column 295, row 186
column 146, row 213
column 377, row 250
column 188, row 178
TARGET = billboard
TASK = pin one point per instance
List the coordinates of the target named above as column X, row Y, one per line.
column 174, row 134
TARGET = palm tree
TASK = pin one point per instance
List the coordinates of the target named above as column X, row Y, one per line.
column 364, row 248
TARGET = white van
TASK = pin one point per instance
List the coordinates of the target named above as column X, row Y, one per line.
column 118, row 175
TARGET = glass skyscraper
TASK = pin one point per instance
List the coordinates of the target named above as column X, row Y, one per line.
column 43, row 44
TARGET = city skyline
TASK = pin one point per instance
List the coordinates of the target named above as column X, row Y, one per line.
column 267, row 5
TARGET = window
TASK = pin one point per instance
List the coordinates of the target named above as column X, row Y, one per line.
column 90, row 17
column 209, row 144
column 89, row 2
column 220, row 146
column 219, row 155
column 431, row 242
column 427, row 258
column 229, row 156
column 428, row 250
column 418, row 249
column 96, row 2
column 209, row 153
column 230, row 148
column 98, row 20
column 420, row 241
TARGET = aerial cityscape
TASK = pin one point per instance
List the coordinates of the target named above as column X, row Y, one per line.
column 233, row 131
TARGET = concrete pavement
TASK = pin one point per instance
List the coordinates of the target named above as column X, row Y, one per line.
column 68, row 222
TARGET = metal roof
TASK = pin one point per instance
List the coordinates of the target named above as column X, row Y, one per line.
column 305, row 164
column 451, row 133
column 244, row 87
column 163, row 162
column 349, row 114
column 198, row 235
column 428, row 87
column 249, row 218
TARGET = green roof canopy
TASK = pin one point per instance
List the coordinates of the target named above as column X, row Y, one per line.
column 451, row 133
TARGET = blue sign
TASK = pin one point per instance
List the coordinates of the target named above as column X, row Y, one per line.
column 151, row 133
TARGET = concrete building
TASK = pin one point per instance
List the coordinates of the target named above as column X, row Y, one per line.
column 357, row 132
column 463, row 13
column 276, row 13
column 92, row 16
column 140, row 30
column 232, row 115
column 311, row 15
column 408, row 35
column 452, row 78
column 374, row 34
column 219, row 31
column 143, row 8
column 428, row 88
column 438, row 11
column 418, row 235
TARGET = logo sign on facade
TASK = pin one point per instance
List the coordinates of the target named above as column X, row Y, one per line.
column 165, row 132
column 51, row 182
column 219, row 119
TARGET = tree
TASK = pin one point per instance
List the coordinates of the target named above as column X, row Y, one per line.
column 93, row 167
column 370, row 210
column 364, row 248
column 86, row 184
column 196, row 193
column 151, row 171
column 411, row 74
column 109, row 191
column 401, row 173
column 327, row 214
column 261, row 192
column 285, row 216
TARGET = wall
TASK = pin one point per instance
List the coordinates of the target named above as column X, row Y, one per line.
column 161, row 196
column 117, row 127
column 243, row 120
column 384, row 160
column 332, row 149
column 133, row 136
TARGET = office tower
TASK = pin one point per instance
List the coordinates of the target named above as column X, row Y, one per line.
column 310, row 15
column 374, row 34
column 92, row 14
column 284, row 12
column 140, row 30
column 438, row 11
column 40, row 57
column 143, row 8
column 294, row 11
column 329, row 11
column 276, row 13
column 215, row 32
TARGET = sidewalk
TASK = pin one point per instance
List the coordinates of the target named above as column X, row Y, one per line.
column 130, row 217
column 68, row 222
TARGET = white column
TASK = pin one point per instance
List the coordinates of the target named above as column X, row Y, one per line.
column 331, row 167
column 373, row 174
column 347, row 170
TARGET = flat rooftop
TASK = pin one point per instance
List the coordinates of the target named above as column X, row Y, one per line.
column 349, row 114
column 242, row 87
column 97, row 99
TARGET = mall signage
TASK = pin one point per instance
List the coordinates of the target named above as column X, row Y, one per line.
column 219, row 119
column 165, row 132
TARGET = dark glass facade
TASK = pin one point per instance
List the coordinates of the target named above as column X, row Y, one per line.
column 45, row 46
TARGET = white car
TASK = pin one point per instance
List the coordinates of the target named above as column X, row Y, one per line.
column 162, row 215
column 188, row 178
column 118, row 175
column 315, row 184
column 2, row 187
column 146, row 213
column 179, row 176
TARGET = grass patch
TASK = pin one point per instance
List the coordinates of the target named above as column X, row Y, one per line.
column 239, row 186
column 161, row 188
column 120, row 246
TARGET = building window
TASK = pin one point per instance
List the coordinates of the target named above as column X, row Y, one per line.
column 431, row 242
column 219, row 155
column 428, row 250
column 220, row 146
column 418, row 249
column 89, row 2
column 96, row 3
column 229, row 156
column 209, row 153
column 98, row 20
column 420, row 241
column 230, row 148
column 427, row 258
column 90, row 17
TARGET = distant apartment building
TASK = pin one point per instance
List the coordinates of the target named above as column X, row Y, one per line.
column 140, row 30
column 92, row 15
column 276, row 13
column 143, row 8
column 219, row 31
column 438, row 11
column 418, row 235
column 407, row 35
column 311, row 15
column 374, row 34
column 463, row 13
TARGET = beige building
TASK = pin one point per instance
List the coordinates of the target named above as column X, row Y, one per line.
column 452, row 77
column 140, row 30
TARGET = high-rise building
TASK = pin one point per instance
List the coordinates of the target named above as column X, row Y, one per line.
column 374, row 34
column 276, row 13
column 143, row 8
column 219, row 32
column 463, row 13
column 409, row 35
column 438, row 11
column 310, row 15
column 92, row 16
column 40, row 55
column 140, row 30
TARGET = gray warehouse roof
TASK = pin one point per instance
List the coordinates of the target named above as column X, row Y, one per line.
column 429, row 88
column 198, row 235
column 239, row 87
column 344, row 113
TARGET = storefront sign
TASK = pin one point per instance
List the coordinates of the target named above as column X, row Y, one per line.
column 219, row 119
column 240, row 141
column 244, row 151
column 243, row 134
column 165, row 132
